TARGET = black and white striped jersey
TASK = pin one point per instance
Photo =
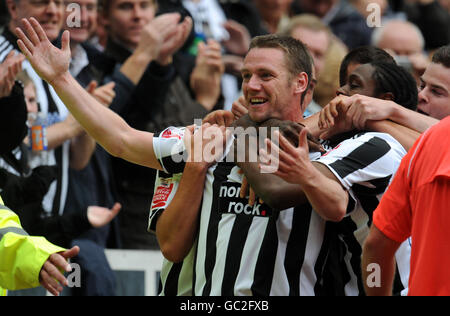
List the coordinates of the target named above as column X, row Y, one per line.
column 365, row 165
column 51, row 105
column 242, row 249
column 175, row 278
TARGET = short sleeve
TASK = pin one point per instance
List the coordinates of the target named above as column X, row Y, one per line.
column 365, row 163
column 170, row 150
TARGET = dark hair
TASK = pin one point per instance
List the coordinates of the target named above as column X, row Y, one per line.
column 297, row 57
column 392, row 78
column 362, row 55
column 442, row 56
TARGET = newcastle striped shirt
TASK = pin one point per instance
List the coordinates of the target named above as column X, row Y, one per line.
column 241, row 249
column 364, row 165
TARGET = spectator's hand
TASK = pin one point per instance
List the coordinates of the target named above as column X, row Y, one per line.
column 173, row 41
column 104, row 94
column 160, row 29
column 50, row 276
column 220, row 117
column 207, row 145
column 233, row 64
column 239, row 41
column 49, row 62
column 292, row 161
column 9, row 69
column 100, row 216
column 240, row 107
column 206, row 77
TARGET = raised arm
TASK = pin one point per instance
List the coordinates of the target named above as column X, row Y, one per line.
column 360, row 109
column 106, row 127
column 344, row 114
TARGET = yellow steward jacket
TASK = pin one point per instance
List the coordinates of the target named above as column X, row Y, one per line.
column 21, row 256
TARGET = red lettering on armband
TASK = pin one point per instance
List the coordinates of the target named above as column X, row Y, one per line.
column 161, row 196
column 169, row 133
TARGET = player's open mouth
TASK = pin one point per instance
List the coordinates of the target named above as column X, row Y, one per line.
column 257, row 101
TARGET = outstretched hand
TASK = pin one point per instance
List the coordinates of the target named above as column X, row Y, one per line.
column 47, row 60
column 50, row 276
column 100, row 216
column 104, row 94
column 173, row 42
column 9, row 69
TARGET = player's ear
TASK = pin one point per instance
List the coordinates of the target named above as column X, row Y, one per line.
column 12, row 9
column 301, row 83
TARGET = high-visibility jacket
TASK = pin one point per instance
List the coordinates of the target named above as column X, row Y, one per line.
column 21, row 256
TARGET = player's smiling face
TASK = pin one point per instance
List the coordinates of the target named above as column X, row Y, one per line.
column 267, row 85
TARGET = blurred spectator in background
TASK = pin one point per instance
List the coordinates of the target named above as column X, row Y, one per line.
column 316, row 36
column 327, row 52
column 274, row 13
column 405, row 42
column 68, row 145
column 343, row 19
column 170, row 88
column 445, row 4
column 367, row 8
column 429, row 16
column 93, row 184
column 330, row 79
column 400, row 37
column 26, row 261
column 432, row 19
column 230, row 22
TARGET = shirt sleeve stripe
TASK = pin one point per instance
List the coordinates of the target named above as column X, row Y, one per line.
column 361, row 157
